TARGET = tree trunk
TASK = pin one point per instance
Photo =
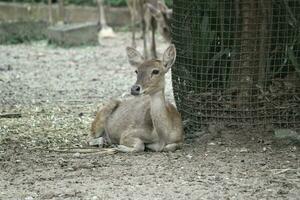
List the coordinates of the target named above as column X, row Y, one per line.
column 264, row 39
column 248, row 49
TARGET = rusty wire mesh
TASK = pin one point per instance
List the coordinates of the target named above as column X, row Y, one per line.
column 237, row 62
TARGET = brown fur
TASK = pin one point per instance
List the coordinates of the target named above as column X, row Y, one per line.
column 147, row 120
column 98, row 125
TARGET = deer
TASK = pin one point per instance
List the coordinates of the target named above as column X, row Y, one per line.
column 147, row 120
column 106, row 31
column 154, row 15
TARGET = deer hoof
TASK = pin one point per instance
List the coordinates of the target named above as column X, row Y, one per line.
column 99, row 142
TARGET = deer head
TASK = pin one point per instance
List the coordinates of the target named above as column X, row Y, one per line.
column 163, row 17
column 150, row 73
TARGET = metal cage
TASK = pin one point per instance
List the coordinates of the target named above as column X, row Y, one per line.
column 238, row 62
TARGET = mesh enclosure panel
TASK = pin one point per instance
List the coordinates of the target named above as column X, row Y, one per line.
column 237, row 62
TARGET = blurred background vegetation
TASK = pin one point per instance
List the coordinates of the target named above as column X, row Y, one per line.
column 82, row 2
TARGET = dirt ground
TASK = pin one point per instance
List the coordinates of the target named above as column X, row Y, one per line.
column 57, row 92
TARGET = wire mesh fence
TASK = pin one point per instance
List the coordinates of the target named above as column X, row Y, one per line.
column 238, row 62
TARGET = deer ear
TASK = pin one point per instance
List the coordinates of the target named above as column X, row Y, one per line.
column 169, row 13
column 153, row 11
column 169, row 57
column 134, row 57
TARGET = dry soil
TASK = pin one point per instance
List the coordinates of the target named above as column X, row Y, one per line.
column 57, row 92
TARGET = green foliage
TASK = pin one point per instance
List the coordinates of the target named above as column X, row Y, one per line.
column 116, row 2
column 169, row 2
column 22, row 32
column 81, row 2
column 25, row 1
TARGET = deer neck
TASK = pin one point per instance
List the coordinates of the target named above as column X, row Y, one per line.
column 159, row 113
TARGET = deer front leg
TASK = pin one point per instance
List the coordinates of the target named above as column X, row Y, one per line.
column 153, row 44
column 155, row 146
column 99, row 142
column 130, row 142
column 172, row 147
column 145, row 31
column 133, row 29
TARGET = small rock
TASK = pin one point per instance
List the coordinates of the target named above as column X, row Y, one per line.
column 9, row 68
column 97, row 142
column 287, row 134
column 211, row 144
column 243, row 150
column 95, row 198
column 221, row 143
column 282, row 191
column 76, row 154
column 189, row 156
column 262, row 164
column 264, row 149
column 70, row 169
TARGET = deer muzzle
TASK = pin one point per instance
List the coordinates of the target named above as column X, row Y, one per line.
column 136, row 90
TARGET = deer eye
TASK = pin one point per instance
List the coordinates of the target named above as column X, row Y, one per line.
column 136, row 71
column 155, row 72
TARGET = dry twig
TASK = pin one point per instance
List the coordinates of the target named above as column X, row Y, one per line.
column 11, row 115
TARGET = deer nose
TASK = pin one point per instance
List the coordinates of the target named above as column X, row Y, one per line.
column 135, row 90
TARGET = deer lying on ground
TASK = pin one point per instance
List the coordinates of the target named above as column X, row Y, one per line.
column 154, row 14
column 147, row 120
